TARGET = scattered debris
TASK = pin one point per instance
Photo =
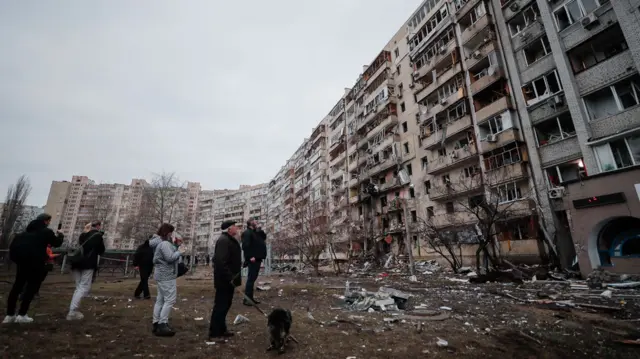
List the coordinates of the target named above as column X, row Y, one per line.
column 607, row 294
column 445, row 308
column 198, row 319
column 442, row 343
column 240, row 319
column 263, row 287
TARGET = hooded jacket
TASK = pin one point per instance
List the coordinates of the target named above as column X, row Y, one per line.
column 143, row 257
column 165, row 259
column 93, row 244
column 31, row 245
column 254, row 244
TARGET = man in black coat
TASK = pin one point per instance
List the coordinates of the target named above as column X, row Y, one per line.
column 143, row 261
column 227, row 264
column 29, row 251
column 254, row 247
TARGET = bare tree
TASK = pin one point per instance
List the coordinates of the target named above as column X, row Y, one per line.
column 163, row 196
column 495, row 204
column 446, row 242
column 13, row 208
column 309, row 232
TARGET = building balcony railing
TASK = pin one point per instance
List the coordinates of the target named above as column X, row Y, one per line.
column 463, row 7
column 517, row 209
column 455, row 188
column 508, row 173
column 500, row 139
column 475, row 56
column 441, row 79
column 381, row 106
column 432, row 139
column 426, row 70
column 489, row 76
column 381, row 166
column 501, row 105
column 353, row 182
column 339, row 158
column 386, row 123
column 476, row 28
column 445, row 220
column 452, row 159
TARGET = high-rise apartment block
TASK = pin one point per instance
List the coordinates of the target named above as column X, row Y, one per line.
column 537, row 102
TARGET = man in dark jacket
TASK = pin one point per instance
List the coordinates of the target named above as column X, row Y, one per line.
column 92, row 242
column 29, row 252
column 143, row 261
column 227, row 264
column 255, row 251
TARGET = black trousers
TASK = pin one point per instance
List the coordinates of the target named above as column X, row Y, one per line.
column 143, row 286
column 29, row 275
column 221, row 305
column 252, row 276
column 45, row 271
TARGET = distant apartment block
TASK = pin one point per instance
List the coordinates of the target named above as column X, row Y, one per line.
column 535, row 101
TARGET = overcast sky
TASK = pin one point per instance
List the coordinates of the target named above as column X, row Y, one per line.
column 221, row 92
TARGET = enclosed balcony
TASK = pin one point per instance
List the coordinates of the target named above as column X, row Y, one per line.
column 485, row 73
column 493, row 142
column 475, row 55
column 493, row 100
column 507, row 172
column 452, row 187
column 439, row 77
column 453, row 158
column 475, row 25
column 444, row 220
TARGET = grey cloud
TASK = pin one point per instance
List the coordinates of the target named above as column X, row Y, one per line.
column 220, row 92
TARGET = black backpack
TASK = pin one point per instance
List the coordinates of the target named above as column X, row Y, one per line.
column 77, row 256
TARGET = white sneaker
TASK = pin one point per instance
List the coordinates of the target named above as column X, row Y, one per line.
column 75, row 316
column 9, row 319
column 23, row 319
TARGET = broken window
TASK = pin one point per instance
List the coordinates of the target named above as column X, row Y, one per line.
column 449, row 207
column 409, row 170
column 541, row 88
column 473, row 16
column 536, row 50
column 599, row 48
column 503, row 156
column 612, row 99
column 567, row 171
column 574, row 10
column 404, row 125
column 427, row 186
column 430, row 212
column 524, row 19
column 424, row 163
column 457, row 111
column 555, row 129
column 414, row 216
column 406, row 148
column 508, row 192
column 470, row 171
column 442, row 151
column 428, row 28
column 621, row 153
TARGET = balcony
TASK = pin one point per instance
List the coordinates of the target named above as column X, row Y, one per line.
column 433, row 139
column 502, row 138
column 353, row 182
column 381, row 166
column 477, row 29
column 385, row 124
column 353, row 165
column 443, row 105
column 458, row 187
column 485, row 78
column 610, row 70
column 386, row 142
column 517, row 209
column 459, row 125
column 479, row 54
column 509, row 173
column 443, row 54
column 337, row 173
column 453, row 219
column 501, row 105
column 463, row 9
column 341, row 157
column 441, row 78
column 455, row 158
column 353, row 199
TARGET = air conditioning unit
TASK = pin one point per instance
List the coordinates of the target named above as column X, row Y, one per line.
column 492, row 138
column 557, row 192
column 476, row 54
column 443, row 49
column 443, row 101
column 589, row 21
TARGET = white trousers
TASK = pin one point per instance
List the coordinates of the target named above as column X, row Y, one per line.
column 83, row 280
column 166, row 298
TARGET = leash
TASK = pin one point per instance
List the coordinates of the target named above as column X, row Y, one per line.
column 254, row 304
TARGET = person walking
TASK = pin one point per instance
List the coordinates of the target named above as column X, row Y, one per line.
column 166, row 257
column 255, row 251
column 92, row 242
column 227, row 264
column 48, row 267
column 29, row 251
column 143, row 262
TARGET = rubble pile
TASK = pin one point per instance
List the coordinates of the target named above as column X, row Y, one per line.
column 600, row 278
column 385, row 299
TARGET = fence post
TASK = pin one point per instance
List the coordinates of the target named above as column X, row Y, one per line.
column 126, row 267
column 64, row 262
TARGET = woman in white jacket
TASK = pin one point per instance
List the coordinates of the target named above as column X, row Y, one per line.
column 165, row 259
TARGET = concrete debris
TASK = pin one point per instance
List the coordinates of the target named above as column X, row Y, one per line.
column 607, row 293
column 413, row 278
column 445, row 308
column 600, row 278
column 240, row 319
column 624, row 285
column 386, row 299
column 464, row 270
column 472, row 274
column 263, row 287
column 428, row 267
column 442, row 343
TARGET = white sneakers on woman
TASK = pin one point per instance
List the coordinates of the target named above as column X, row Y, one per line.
column 20, row 319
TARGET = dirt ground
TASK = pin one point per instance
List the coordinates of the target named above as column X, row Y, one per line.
column 480, row 323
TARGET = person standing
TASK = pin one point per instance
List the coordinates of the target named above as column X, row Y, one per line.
column 29, row 251
column 255, row 251
column 166, row 257
column 143, row 262
column 92, row 242
column 227, row 264
column 48, row 267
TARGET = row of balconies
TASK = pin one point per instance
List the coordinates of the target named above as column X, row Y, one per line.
column 454, row 158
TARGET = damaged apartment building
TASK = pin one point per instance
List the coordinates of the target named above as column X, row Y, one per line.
column 533, row 102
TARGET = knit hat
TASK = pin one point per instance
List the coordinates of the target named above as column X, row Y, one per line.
column 226, row 224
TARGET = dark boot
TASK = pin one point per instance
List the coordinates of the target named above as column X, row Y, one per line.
column 164, row 331
column 155, row 328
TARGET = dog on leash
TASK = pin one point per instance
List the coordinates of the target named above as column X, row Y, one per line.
column 279, row 324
